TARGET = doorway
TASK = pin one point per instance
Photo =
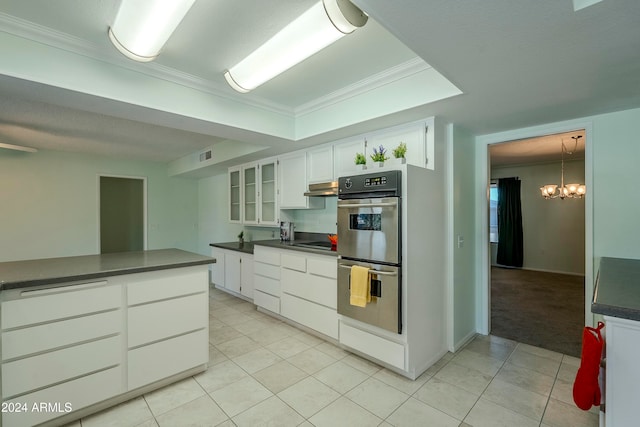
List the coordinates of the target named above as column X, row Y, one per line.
column 540, row 301
column 122, row 214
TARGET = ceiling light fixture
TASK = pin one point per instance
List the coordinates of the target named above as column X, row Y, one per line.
column 317, row 28
column 572, row 191
column 141, row 28
column 18, row 148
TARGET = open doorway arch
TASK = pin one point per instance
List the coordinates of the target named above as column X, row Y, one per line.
column 482, row 220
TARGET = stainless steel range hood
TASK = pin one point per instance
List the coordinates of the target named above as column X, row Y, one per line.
column 323, row 189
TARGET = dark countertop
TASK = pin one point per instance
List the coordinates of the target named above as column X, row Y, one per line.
column 617, row 291
column 248, row 247
column 38, row 272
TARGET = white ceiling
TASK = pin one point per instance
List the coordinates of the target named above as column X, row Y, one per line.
column 543, row 149
column 517, row 64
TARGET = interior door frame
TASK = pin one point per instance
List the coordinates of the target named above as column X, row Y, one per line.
column 483, row 178
column 144, row 206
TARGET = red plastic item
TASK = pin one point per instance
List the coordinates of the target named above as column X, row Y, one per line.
column 586, row 390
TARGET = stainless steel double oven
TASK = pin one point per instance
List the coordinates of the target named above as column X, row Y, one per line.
column 369, row 232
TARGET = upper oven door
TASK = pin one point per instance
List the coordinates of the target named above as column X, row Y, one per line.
column 369, row 229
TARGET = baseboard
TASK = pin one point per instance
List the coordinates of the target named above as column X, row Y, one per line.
column 464, row 341
column 542, row 270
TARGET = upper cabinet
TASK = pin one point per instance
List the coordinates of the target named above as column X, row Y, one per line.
column 345, row 154
column 268, row 192
column 415, row 135
column 250, row 185
column 320, row 164
column 235, row 194
column 253, row 193
column 293, row 183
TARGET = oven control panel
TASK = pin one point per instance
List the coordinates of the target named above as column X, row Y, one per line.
column 387, row 182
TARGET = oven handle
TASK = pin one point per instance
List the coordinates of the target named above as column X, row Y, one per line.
column 367, row 205
column 381, row 273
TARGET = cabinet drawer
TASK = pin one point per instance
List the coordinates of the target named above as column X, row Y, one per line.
column 159, row 285
column 35, row 339
column 373, row 345
column 28, row 374
column 267, row 270
column 267, row 285
column 159, row 320
column 321, row 290
column 267, row 301
column 63, row 302
column 268, row 256
column 160, row 360
column 314, row 316
column 294, row 262
column 325, row 266
column 79, row 393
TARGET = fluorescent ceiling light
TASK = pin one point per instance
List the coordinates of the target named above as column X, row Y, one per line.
column 17, row 147
column 142, row 27
column 317, row 28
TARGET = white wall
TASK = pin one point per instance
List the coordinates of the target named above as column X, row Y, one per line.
column 49, row 204
column 612, row 206
column 464, row 283
column 317, row 220
column 616, row 174
column 553, row 230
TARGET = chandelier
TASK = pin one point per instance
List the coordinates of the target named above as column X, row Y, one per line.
column 573, row 191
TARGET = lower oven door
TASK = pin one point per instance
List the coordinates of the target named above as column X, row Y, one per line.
column 385, row 308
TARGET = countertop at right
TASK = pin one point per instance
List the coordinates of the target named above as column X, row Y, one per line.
column 617, row 290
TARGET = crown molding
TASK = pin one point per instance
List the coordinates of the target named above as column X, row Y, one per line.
column 375, row 81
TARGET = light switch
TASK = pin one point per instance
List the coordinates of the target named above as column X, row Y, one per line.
column 460, row 241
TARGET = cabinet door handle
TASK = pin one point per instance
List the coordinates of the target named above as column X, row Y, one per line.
column 64, row 288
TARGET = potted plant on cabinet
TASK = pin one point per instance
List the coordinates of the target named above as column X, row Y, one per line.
column 361, row 161
column 379, row 155
column 399, row 153
column 241, row 237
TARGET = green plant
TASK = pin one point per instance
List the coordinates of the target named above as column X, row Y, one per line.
column 241, row 235
column 360, row 159
column 379, row 154
column 400, row 151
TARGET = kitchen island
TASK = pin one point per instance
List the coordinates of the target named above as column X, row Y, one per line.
column 617, row 297
column 80, row 334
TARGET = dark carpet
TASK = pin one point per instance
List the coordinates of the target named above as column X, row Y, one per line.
column 538, row 308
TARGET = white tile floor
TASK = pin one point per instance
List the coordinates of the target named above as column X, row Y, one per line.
column 264, row 372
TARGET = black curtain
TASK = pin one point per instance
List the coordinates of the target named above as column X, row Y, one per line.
column 510, row 246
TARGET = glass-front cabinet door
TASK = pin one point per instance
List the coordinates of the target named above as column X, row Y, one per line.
column 268, row 193
column 250, row 185
column 235, row 195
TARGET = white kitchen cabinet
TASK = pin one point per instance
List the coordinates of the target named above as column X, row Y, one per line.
column 266, row 278
column 217, row 269
column 253, row 193
column 168, row 324
column 320, row 164
column 250, row 193
column 622, row 372
column 246, row 275
column 293, row 183
column 268, row 212
column 233, row 271
column 309, row 291
column 235, row 194
column 344, row 154
column 415, row 135
column 51, row 337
